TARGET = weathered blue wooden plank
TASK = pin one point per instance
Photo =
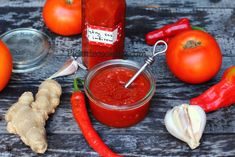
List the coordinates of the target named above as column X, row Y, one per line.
column 146, row 3
column 148, row 138
column 129, row 145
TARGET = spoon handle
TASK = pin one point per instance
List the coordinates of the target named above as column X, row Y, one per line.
column 136, row 75
column 149, row 61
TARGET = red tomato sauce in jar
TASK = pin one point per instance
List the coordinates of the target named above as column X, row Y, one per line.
column 108, row 86
column 113, row 104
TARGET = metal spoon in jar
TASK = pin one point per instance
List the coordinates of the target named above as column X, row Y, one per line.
column 148, row 62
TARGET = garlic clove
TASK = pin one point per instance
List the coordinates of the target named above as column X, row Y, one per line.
column 70, row 67
column 186, row 123
column 197, row 127
column 169, row 122
column 80, row 63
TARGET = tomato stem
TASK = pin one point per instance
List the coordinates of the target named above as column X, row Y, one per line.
column 192, row 44
column 69, row 1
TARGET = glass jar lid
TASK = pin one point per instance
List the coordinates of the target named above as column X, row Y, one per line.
column 29, row 48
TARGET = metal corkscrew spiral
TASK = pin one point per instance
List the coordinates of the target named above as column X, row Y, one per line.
column 148, row 62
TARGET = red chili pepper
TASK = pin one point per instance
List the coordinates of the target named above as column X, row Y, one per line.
column 168, row 31
column 219, row 95
column 81, row 116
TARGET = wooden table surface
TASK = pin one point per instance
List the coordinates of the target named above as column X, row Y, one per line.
column 148, row 138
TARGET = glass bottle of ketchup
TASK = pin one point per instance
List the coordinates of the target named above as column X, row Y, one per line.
column 103, row 30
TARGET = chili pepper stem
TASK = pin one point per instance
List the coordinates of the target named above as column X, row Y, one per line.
column 69, row 2
column 75, row 84
column 198, row 28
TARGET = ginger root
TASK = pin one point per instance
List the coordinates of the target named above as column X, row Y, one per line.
column 27, row 117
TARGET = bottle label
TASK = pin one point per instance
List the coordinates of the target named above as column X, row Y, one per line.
column 103, row 36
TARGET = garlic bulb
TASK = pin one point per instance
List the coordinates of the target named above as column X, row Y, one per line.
column 186, row 123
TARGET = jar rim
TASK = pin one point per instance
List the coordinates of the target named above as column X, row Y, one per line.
column 121, row 63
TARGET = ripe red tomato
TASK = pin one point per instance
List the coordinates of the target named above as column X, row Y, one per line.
column 5, row 65
column 194, row 56
column 63, row 17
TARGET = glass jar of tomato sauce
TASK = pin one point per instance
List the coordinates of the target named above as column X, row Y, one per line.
column 113, row 104
column 103, row 30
